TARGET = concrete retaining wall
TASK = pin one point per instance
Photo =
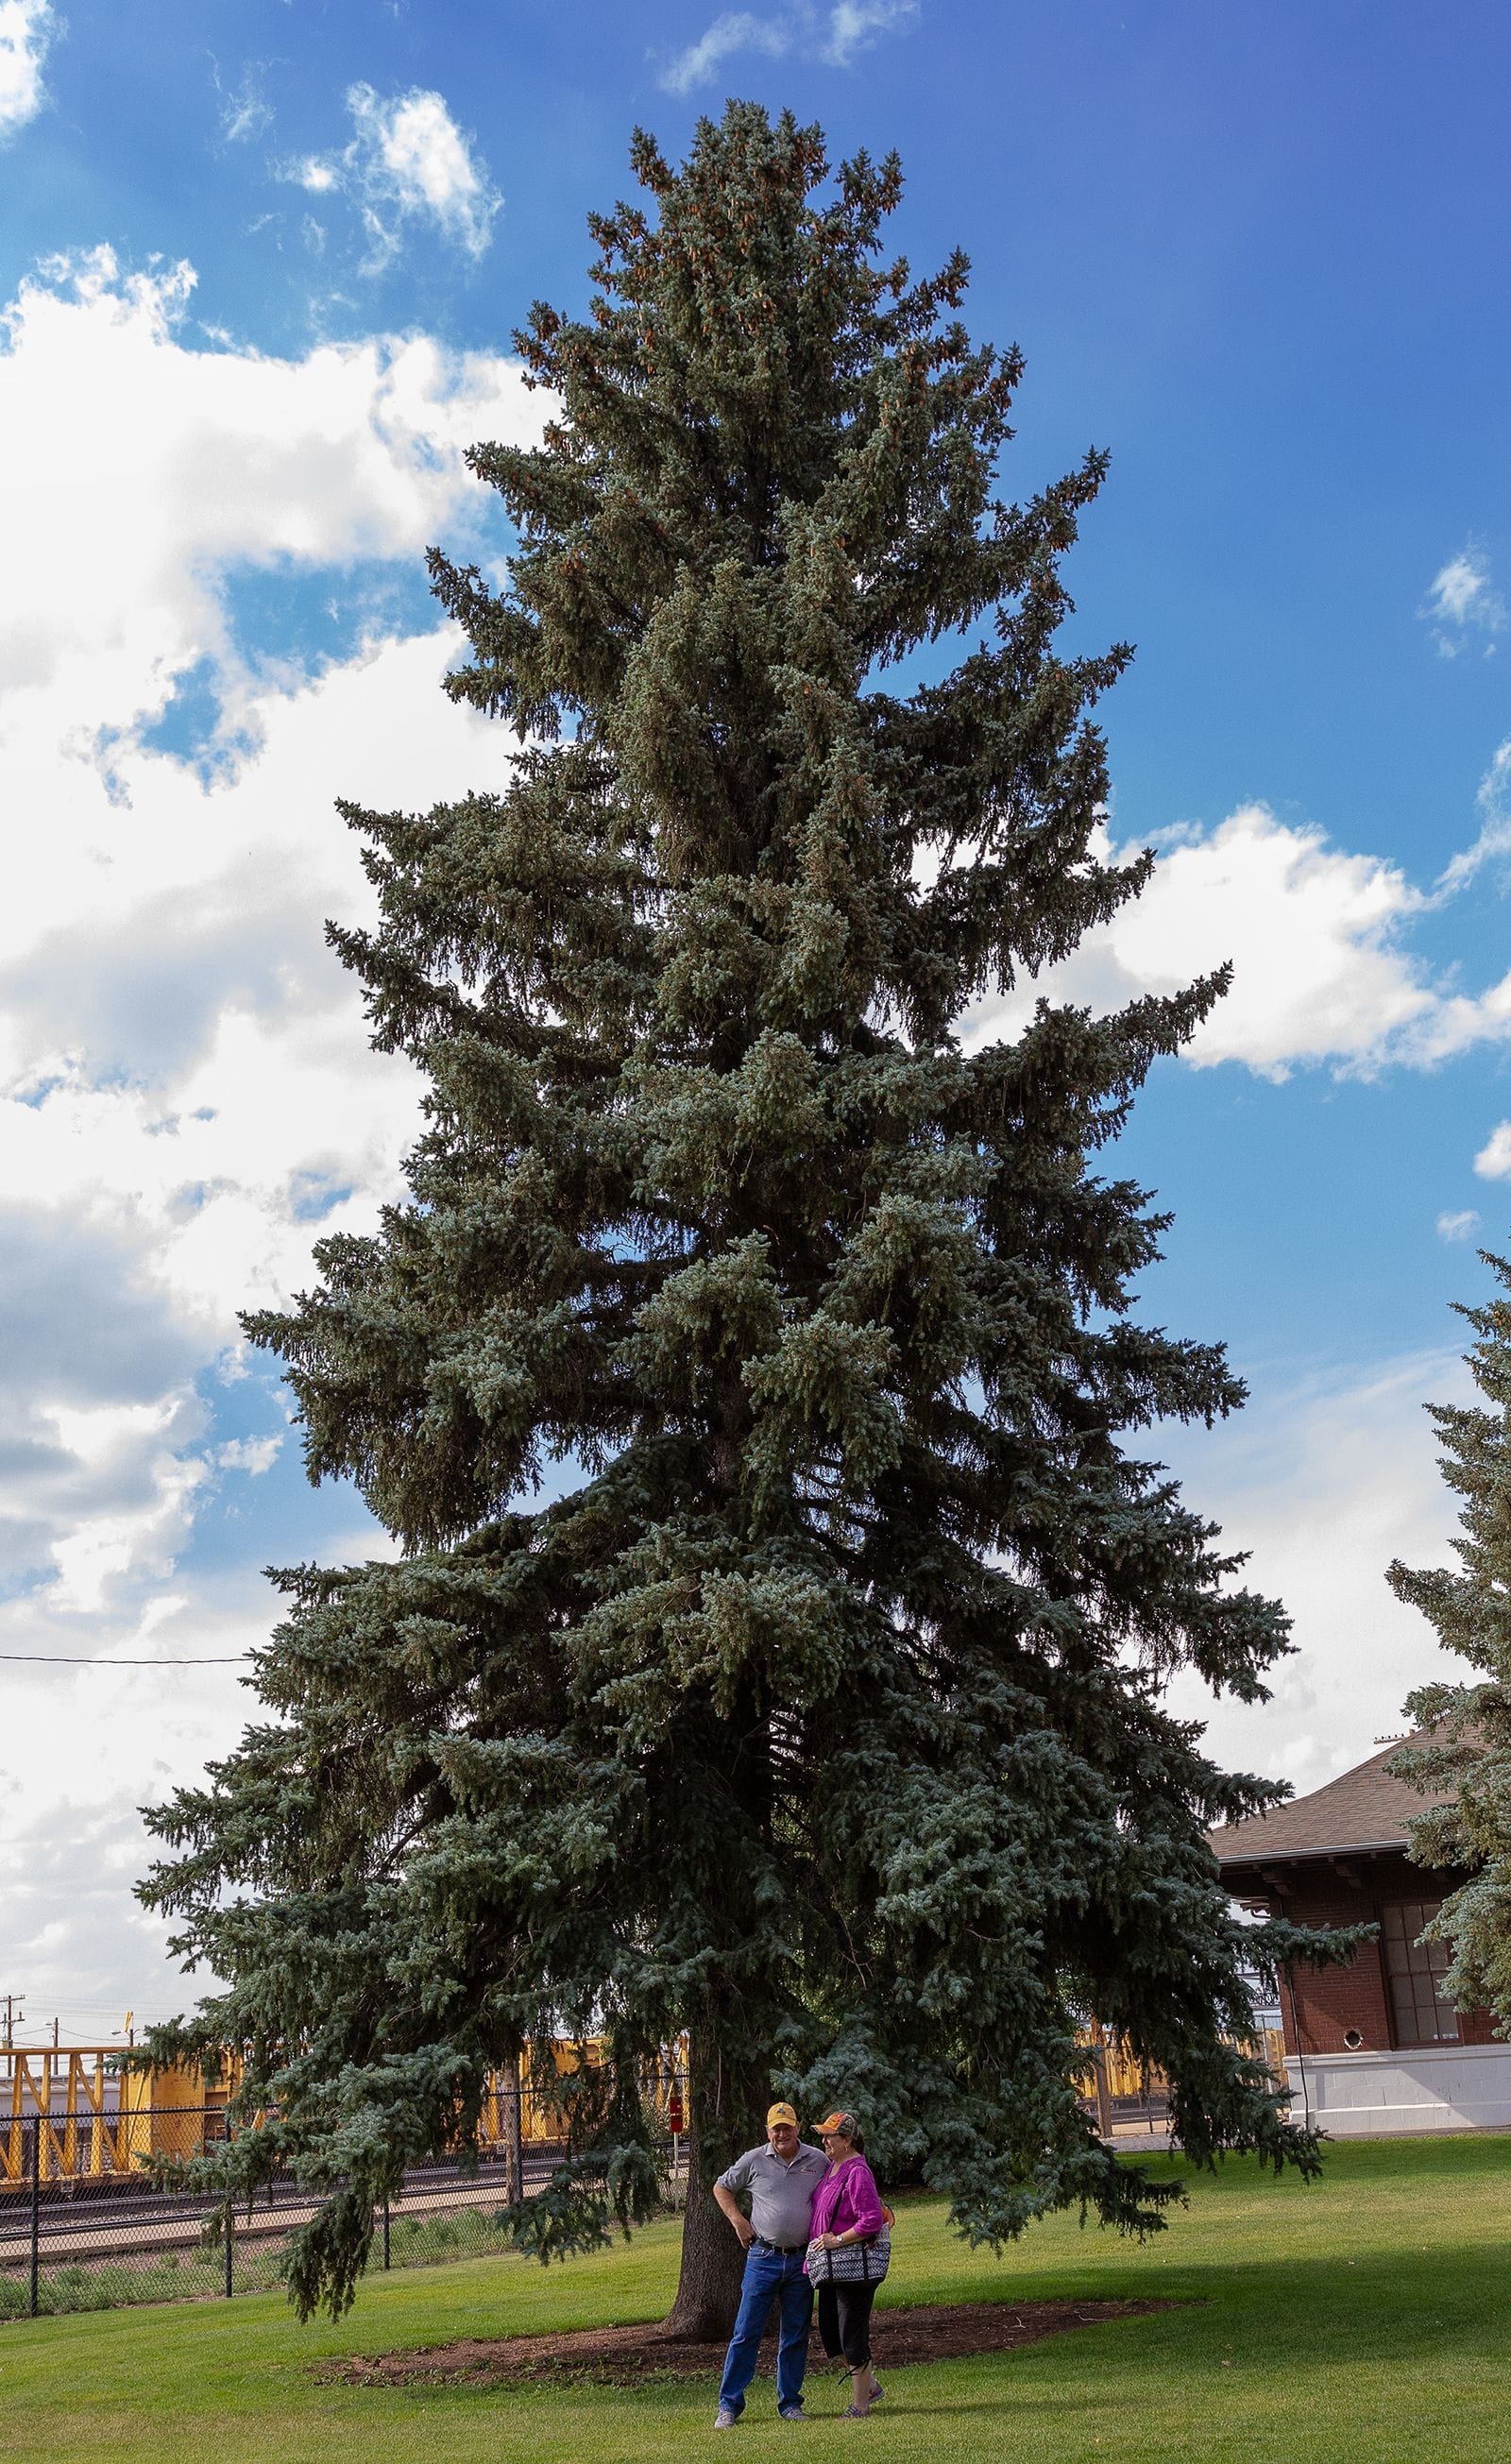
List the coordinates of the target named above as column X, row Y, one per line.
column 1427, row 2087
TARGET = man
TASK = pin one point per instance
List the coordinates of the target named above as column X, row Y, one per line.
column 781, row 2178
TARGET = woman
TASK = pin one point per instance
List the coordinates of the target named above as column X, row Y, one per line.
column 847, row 2208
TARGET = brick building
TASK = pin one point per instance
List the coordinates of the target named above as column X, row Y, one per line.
column 1373, row 2047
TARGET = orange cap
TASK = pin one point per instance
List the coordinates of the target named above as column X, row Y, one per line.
column 843, row 2122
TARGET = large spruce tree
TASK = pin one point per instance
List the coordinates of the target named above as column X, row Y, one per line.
column 778, row 1638
column 1462, row 1759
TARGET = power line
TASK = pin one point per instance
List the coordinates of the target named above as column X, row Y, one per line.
column 59, row 1660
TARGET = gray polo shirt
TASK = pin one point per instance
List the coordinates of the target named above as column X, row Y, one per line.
column 781, row 2195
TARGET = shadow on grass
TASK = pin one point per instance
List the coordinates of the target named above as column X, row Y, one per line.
column 1412, row 2312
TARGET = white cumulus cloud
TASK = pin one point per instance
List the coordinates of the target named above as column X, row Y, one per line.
column 27, row 29
column 407, row 162
column 216, row 461
column 1493, row 1162
column 186, row 1095
column 1323, row 1483
column 1463, row 602
column 1312, row 933
column 1317, row 940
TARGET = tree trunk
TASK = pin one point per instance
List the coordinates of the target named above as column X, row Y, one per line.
column 712, row 2262
column 726, row 2114
column 1099, row 2060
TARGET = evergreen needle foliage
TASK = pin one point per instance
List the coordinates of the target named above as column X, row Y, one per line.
column 1464, row 1760
column 822, row 1713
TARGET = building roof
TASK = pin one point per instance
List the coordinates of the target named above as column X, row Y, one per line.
column 1364, row 1808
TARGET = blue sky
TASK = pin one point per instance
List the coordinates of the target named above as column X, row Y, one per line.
column 261, row 263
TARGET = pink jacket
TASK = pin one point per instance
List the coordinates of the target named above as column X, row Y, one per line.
column 847, row 2200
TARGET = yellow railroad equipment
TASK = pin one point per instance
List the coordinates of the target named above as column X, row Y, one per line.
column 99, row 2121
column 103, row 2122
column 1127, row 2077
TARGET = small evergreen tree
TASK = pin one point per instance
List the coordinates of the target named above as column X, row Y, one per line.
column 1464, row 1758
column 821, row 1714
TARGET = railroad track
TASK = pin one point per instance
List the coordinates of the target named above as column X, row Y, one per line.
column 101, row 2226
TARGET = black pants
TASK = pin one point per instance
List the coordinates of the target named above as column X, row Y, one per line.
column 845, row 2321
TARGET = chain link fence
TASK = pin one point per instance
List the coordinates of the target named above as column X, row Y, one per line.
column 91, row 2219
column 88, row 2221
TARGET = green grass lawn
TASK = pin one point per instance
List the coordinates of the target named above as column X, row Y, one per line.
column 1368, row 2316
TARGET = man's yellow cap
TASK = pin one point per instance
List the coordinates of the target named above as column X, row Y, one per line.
column 781, row 2113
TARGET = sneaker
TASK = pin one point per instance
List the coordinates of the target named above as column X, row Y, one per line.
column 791, row 2413
column 726, row 2418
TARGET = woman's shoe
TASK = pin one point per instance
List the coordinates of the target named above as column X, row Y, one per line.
column 855, row 2412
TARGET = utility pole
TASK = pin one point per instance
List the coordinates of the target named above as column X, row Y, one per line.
column 1099, row 2059
column 513, row 2132
column 14, row 2018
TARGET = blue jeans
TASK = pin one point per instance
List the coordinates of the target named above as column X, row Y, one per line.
column 769, row 2272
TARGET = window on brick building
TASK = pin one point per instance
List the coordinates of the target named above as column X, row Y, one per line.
column 1421, row 2012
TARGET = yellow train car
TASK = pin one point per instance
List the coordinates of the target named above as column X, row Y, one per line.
column 103, row 2123
column 99, row 2121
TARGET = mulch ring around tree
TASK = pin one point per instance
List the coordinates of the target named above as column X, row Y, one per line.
column 632, row 2356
